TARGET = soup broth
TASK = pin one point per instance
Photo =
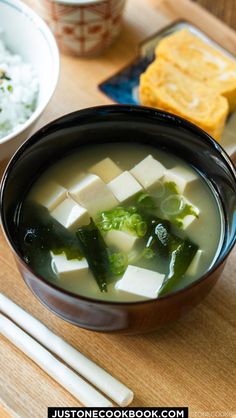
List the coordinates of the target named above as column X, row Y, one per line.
column 156, row 223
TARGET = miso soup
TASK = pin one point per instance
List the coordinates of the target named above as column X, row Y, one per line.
column 121, row 223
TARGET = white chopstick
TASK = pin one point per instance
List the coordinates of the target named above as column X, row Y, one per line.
column 110, row 386
column 84, row 392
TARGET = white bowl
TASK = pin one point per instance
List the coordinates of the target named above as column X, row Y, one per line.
column 26, row 34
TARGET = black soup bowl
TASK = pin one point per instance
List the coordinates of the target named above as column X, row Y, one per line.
column 107, row 124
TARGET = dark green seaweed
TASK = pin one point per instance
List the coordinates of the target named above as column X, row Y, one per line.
column 40, row 233
column 182, row 253
column 93, row 247
column 158, row 236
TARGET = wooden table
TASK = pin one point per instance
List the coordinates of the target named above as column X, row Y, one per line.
column 187, row 363
column 224, row 10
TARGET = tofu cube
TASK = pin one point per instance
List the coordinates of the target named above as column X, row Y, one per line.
column 50, row 195
column 124, row 186
column 193, row 267
column 148, row 172
column 68, row 269
column 70, row 214
column 182, row 177
column 92, row 193
column 124, row 241
column 188, row 220
column 140, row 281
column 106, row 169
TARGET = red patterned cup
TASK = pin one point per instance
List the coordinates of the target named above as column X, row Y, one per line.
column 82, row 27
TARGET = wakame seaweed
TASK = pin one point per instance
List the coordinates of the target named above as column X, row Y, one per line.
column 159, row 239
column 40, row 233
column 158, row 235
column 94, row 249
column 182, row 253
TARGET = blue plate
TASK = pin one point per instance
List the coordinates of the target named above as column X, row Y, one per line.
column 123, row 86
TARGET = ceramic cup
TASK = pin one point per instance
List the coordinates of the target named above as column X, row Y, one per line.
column 82, row 27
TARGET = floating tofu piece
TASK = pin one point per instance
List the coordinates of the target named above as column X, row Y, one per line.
column 50, row 195
column 140, row 281
column 124, row 241
column 182, row 177
column 106, row 169
column 124, row 186
column 148, row 172
column 190, row 219
column 93, row 194
column 187, row 221
column 193, row 267
column 70, row 214
column 68, row 269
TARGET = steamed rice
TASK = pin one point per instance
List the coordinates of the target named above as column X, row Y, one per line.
column 18, row 91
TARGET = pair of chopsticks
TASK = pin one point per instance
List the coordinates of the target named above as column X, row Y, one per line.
column 33, row 338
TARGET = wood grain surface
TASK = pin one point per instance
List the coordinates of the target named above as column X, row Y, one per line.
column 224, row 9
column 189, row 363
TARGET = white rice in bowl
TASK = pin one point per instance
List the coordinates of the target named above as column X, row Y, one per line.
column 19, row 87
